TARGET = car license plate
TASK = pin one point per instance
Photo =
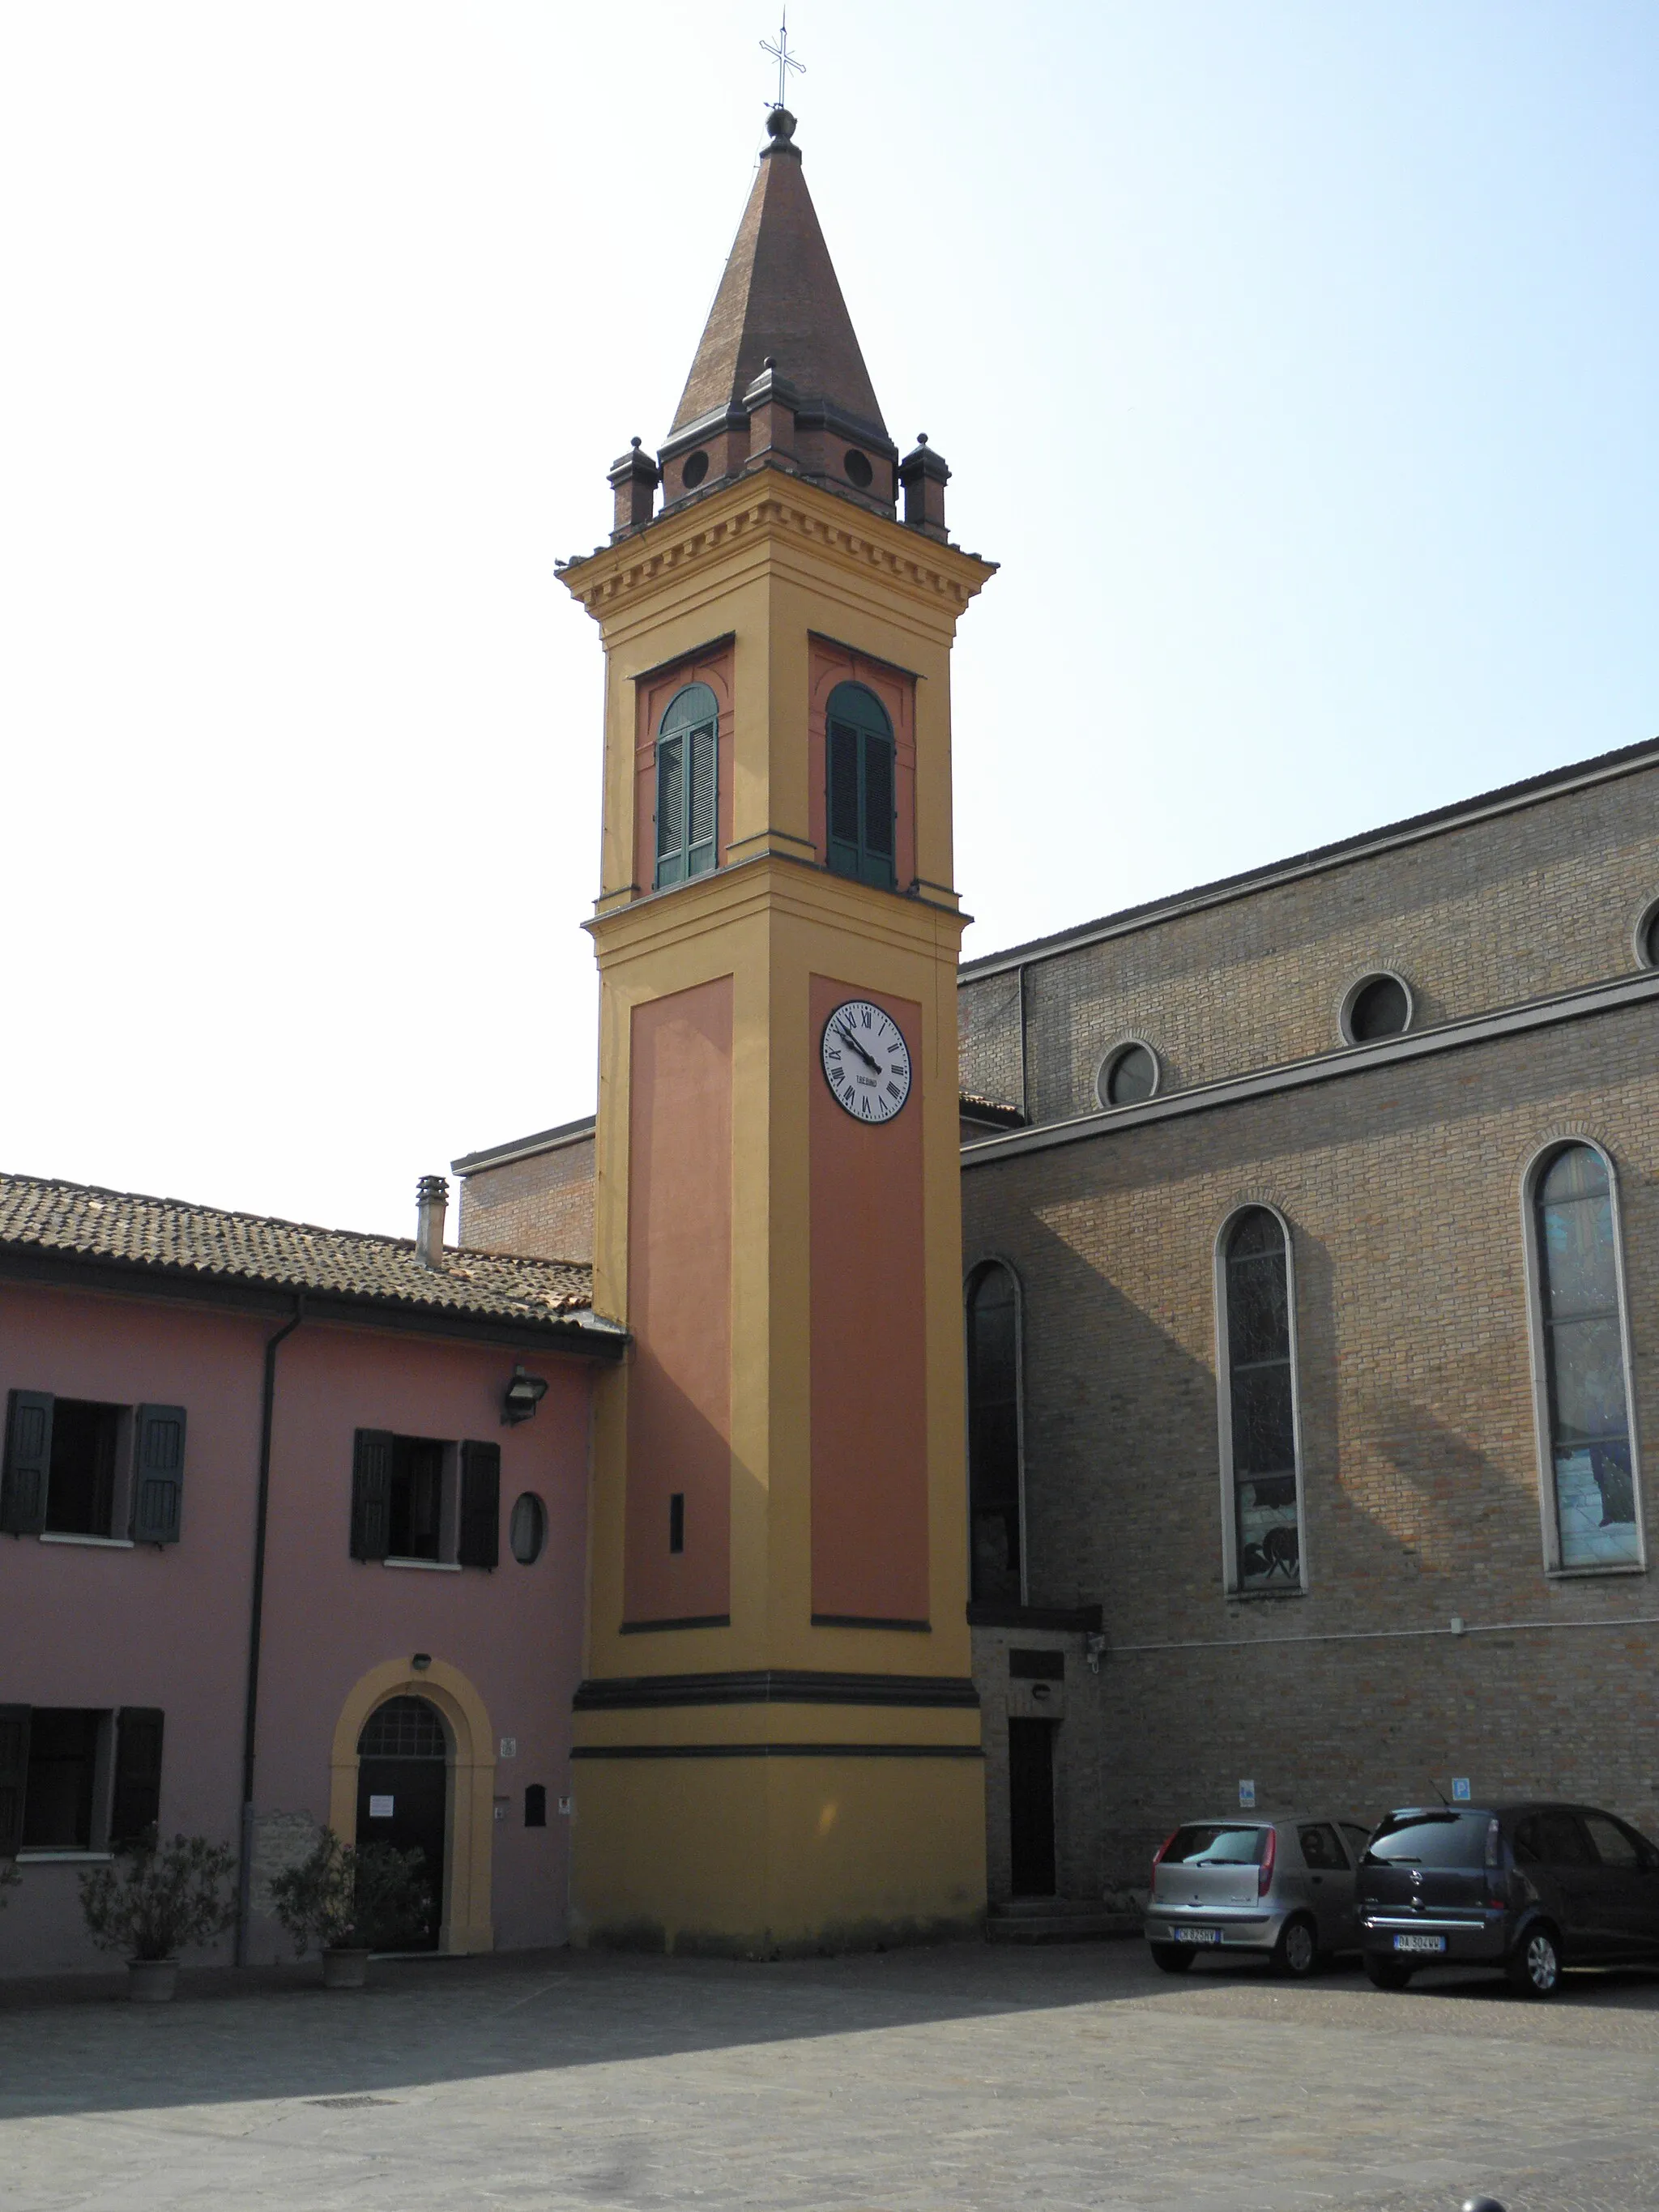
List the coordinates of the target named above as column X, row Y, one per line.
column 1198, row 1934
column 1420, row 1942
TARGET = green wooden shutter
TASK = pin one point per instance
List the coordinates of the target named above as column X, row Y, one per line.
column 480, row 1542
column 701, row 812
column 878, row 839
column 158, row 1474
column 28, row 1463
column 670, row 810
column 137, row 1803
column 843, row 811
column 370, row 1494
column 14, row 1776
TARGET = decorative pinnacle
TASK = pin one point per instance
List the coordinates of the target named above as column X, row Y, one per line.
column 785, row 60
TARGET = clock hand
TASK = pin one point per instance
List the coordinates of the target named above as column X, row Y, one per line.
column 847, row 1038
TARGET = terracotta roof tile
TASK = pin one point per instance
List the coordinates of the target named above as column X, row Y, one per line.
column 40, row 1215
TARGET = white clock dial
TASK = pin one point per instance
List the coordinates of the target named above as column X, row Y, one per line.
column 866, row 1062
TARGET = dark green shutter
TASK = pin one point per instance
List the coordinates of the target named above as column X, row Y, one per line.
column 136, row 1804
column 671, row 812
column 480, row 1505
column 158, row 1474
column 370, row 1494
column 877, row 811
column 843, row 799
column 14, row 1776
column 700, row 808
column 28, row 1463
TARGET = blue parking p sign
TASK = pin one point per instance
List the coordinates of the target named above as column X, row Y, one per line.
column 1459, row 1788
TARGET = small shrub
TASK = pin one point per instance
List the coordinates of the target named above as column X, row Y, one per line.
column 353, row 1897
column 156, row 1898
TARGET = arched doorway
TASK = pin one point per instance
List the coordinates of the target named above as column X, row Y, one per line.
column 469, row 1798
column 403, row 1799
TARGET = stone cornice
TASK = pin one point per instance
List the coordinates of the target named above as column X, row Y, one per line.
column 771, row 502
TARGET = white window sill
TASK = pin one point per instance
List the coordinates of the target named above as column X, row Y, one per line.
column 99, row 1543
column 430, row 1567
column 64, row 1858
column 1270, row 1597
column 1594, row 1573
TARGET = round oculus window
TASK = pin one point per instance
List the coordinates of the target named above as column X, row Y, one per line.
column 1646, row 938
column 1379, row 1008
column 858, row 471
column 695, row 468
column 1129, row 1075
column 527, row 1532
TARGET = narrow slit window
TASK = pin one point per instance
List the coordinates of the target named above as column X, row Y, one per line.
column 677, row 1522
column 688, row 778
column 861, row 810
column 1259, row 1383
column 993, row 1462
column 1590, row 1465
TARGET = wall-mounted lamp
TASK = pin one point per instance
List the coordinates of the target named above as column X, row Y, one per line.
column 521, row 1397
column 421, row 1661
column 1094, row 1648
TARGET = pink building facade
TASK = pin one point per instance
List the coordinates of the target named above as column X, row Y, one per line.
column 418, row 1591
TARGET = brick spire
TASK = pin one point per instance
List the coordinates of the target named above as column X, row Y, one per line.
column 779, row 301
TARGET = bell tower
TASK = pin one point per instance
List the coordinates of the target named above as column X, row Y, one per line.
column 777, row 1743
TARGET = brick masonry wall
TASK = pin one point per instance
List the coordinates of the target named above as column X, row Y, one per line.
column 1420, row 1462
column 1517, row 907
column 541, row 1207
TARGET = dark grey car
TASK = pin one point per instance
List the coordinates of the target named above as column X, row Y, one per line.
column 1283, row 1889
column 1529, row 1888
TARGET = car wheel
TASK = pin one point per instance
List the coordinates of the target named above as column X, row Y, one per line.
column 1173, row 1958
column 1385, row 1973
column 1533, row 1967
column 1296, row 1952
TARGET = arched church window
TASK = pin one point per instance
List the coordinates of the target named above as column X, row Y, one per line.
column 860, row 795
column 1258, row 1457
column 688, row 767
column 994, row 1453
column 1584, row 1412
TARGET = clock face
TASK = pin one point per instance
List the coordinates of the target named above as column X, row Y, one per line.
column 866, row 1062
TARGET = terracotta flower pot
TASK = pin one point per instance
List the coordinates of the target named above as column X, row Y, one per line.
column 152, row 1981
column 345, row 1969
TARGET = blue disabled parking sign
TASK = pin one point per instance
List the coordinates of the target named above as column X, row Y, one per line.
column 1247, row 1793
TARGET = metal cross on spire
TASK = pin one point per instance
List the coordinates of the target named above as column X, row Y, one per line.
column 781, row 55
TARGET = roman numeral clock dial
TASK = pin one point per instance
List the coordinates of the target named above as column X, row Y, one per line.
column 866, row 1062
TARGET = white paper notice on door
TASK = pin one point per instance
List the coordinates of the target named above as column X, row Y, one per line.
column 380, row 1809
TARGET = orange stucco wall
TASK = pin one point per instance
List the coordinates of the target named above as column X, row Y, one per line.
column 711, row 666
column 679, row 1303
column 869, row 1425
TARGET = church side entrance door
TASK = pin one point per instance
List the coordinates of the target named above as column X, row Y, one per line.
column 1032, row 1807
column 403, row 1778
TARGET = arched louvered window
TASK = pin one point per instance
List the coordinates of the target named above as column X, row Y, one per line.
column 994, row 1453
column 861, row 796
column 1255, row 1297
column 1586, row 1430
column 687, row 769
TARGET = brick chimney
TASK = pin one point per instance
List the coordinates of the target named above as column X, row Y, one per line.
column 431, row 1205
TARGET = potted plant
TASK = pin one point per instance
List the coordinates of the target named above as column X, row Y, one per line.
column 350, row 1898
column 153, row 1899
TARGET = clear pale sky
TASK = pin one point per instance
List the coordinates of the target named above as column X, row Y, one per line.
column 1298, row 362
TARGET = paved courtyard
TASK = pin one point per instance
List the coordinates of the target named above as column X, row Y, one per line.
column 917, row 2081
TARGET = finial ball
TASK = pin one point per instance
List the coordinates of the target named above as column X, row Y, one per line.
column 635, row 443
column 771, row 361
column 922, row 437
column 781, row 123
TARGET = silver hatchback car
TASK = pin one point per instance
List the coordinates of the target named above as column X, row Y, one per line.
column 1284, row 1889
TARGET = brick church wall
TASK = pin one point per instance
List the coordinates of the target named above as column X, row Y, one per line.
column 1402, row 1187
